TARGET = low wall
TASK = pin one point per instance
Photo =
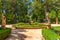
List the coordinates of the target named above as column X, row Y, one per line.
column 8, row 26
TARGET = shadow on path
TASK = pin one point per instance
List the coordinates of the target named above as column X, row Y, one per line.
column 17, row 36
column 26, row 34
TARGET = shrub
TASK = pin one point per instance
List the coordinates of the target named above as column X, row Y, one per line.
column 4, row 33
column 49, row 34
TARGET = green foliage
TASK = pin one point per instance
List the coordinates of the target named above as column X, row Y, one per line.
column 24, row 9
column 4, row 33
column 27, row 18
column 9, row 17
column 36, row 10
column 28, row 26
column 56, row 28
column 36, row 23
column 49, row 34
column 52, row 14
column 59, row 14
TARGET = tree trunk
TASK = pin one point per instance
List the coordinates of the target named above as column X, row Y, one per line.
column 56, row 17
column 47, row 16
column 14, row 11
column 48, row 20
column 56, row 20
column 3, row 21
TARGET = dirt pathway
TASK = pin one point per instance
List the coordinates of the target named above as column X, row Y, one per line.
column 26, row 34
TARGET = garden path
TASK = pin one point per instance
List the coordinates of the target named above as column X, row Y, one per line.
column 26, row 34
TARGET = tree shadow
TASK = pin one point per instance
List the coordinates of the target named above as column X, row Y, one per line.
column 22, row 36
column 15, row 35
column 18, row 30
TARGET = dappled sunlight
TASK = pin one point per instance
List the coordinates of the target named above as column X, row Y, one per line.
column 15, row 36
column 27, row 19
column 26, row 34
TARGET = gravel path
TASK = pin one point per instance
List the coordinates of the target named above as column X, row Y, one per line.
column 26, row 34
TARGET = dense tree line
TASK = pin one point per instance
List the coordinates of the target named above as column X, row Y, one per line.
column 30, row 10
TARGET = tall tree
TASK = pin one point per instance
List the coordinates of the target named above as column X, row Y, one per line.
column 2, row 14
column 36, row 10
column 15, row 10
column 22, row 10
column 57, row 4
column 0, row 10
column 47, row 15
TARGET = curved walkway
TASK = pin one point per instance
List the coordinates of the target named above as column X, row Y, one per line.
column 26, row 34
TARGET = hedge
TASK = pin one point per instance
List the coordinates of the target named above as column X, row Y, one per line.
column 26, row 25
column 4, row 33
column 56, row 28
column 50, row 35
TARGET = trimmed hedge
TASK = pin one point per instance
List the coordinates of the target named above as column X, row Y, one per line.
column 26, row 25
column 56, row 28
column 4, row 33
column 49, row 34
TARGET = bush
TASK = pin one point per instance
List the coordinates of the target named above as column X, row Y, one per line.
column 50, row 35
column 4, row 33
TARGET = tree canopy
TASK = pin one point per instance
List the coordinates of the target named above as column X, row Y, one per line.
column 29, row 10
